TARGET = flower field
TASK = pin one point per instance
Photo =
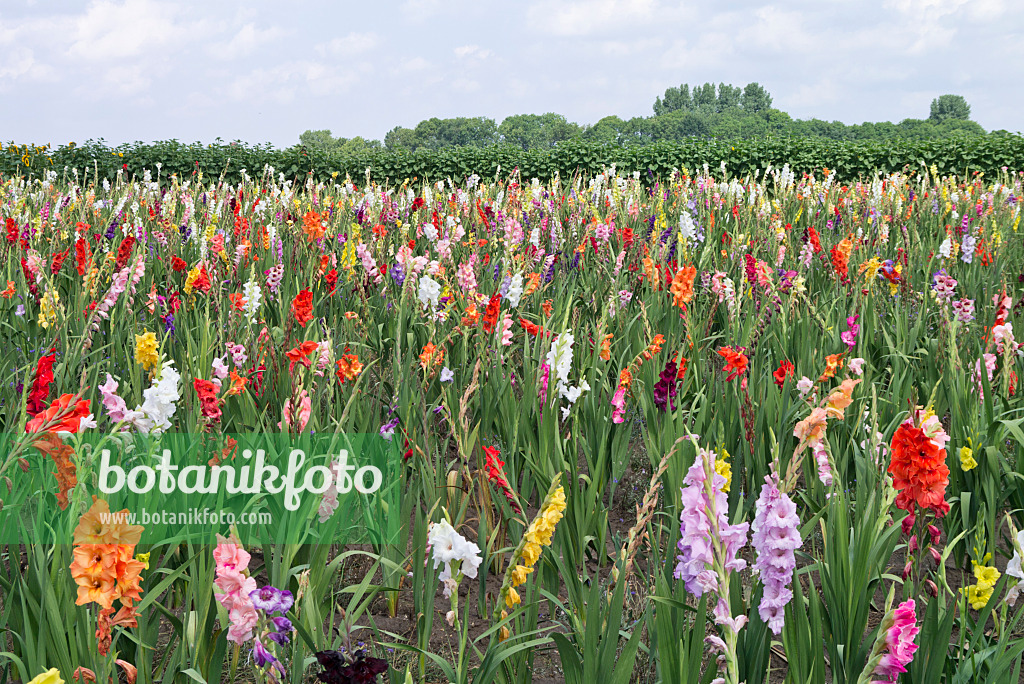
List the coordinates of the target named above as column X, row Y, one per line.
column 699, row 428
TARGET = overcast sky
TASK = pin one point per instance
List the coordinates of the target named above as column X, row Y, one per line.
column 262, row 71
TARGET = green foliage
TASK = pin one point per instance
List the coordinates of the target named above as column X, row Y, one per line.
column 851, row 160
column 946, row 107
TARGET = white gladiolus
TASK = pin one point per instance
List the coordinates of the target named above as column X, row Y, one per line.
column 160, row 401
column 252, row 295
column 515, row 290
column 429, row 292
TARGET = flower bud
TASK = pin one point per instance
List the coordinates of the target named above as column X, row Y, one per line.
column 908, row 523
column 907, row 569
column 936, row 556
column 935, row 533
column 931, row 588
column 912, row 546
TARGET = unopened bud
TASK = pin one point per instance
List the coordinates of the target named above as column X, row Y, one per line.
column 936, row 556
column 23, row 464
column 907, row 570
column 10, row 485
column 931, row 588
column 935, row 533
column 912, row 546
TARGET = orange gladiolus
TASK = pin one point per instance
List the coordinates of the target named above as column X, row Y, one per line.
column 833, row 363
column 51, row 445
column 349, row 368
column 430, row 355
column 682, row 286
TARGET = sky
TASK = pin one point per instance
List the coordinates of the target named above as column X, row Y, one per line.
column 264, row 71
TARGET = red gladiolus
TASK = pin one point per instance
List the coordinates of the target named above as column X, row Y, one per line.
column 784, row 370
column 331, row 278
column 41, row 384
column 208, row 402
column 82, row 255
column 493, row 466
column 302, row 307
column 812, row 237
column 735, row 362
column 178, row 264
column 202, row 283
column 58, row 261
column 69, row 415
column 919, row 470
column 301, row 354
column 491, row 314
column 124, row 252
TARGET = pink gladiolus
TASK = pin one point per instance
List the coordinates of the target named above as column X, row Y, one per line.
column 305, row 409
column 235, row 586
column 619, row 404
column 894, row 648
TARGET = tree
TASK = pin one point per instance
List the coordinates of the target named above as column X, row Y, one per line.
column 437, row 133
column 675, row 99
column 606, row 130
column 537, row 131
column 947, row 107
column 756, row 98
column 318, row 140
column 399, row 138
column 705, row 99
column 323, row 141
column 729, row 97
column 678, row 125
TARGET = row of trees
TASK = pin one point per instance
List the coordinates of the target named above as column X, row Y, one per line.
column 705, row 111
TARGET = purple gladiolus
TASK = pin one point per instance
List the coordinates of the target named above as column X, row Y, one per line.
column 776, row 538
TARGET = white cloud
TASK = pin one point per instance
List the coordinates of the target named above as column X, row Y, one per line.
column 289, row 81
column 585, row 17
column 627, row 48
column 109, row 30
column 20, row 63
column 245, row 42
column 420, row 9
column 465, row 85
column 472, row 51
column 348, row 45
column 412, row 64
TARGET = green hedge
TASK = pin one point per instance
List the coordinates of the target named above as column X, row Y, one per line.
column 851, row 160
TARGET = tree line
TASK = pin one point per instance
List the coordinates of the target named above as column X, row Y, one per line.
column 705, row 111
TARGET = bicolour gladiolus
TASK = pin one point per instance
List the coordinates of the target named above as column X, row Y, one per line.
column 894, row 647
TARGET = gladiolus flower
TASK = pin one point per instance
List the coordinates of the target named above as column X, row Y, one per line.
column 919, row 470
column 302, row 307
column 784, row 370
column 735, row 362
